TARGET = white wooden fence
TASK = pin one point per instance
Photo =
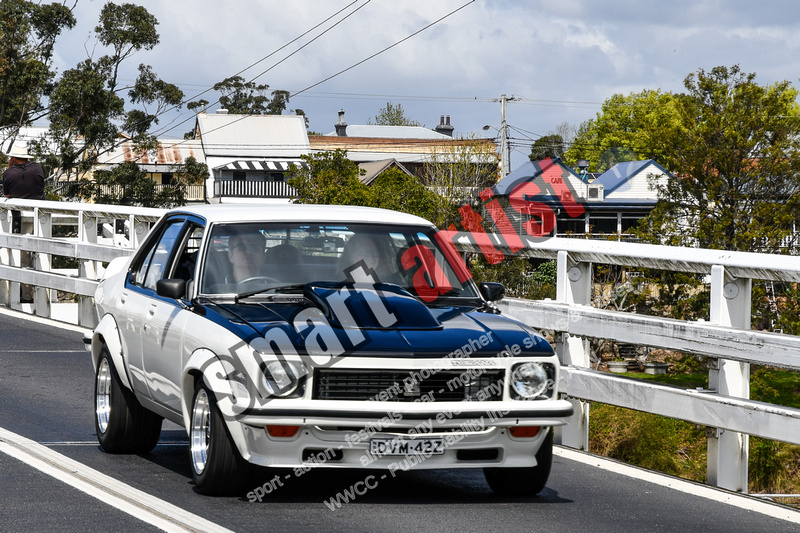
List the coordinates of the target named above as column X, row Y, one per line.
column 92, row 240
column 725, row 337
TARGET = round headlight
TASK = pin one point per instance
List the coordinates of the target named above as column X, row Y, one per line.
column 281, row 378
column 529, row 380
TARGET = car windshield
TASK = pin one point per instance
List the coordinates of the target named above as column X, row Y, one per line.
column 253, row 258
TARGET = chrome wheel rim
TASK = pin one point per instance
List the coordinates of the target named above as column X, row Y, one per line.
column 102, row 398
column 201, row 431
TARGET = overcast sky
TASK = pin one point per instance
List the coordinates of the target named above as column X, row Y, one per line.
column 560, row 59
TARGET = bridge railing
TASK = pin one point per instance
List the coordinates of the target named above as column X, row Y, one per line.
column 87, row 234
column 725, row 337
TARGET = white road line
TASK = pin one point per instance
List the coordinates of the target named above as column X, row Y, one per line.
column 93, row 443
column 108, row 490
column 43, row 350
column 695, row 489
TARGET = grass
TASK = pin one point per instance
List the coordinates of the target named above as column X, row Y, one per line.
column 679, row 448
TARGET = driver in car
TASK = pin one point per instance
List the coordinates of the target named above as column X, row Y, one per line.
column 246, row 254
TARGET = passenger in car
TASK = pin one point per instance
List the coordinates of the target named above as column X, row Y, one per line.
column 246, row 255
column 375, row 254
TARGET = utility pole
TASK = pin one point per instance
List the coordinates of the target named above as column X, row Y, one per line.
column 505, row 146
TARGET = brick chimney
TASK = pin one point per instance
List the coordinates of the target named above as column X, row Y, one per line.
column 444, row 126
column 341, row 126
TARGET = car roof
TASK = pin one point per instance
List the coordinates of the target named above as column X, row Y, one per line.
column 220, row 213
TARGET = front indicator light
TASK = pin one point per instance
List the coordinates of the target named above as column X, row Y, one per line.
column 282, row 431
column 524, row 432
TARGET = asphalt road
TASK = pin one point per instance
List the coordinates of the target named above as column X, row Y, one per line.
column 54, row 477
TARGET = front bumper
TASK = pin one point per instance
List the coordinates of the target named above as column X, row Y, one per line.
column 475, row 434
column 444, row 414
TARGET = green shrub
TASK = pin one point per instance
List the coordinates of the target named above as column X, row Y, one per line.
column 650, row 441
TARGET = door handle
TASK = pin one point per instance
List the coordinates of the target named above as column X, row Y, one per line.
column 152, row 309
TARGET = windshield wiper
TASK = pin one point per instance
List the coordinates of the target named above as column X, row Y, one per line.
column 278, row 288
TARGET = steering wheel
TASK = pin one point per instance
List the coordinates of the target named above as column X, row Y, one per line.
column 266, row 280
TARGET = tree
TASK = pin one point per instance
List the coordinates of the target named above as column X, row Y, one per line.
column 192, row 172
column 736, row 154
column 627, row 128
column 128, row 184
column 394, row 189
column 28, row 32
column 551, row 146
column 392, row 115
column 732, row 145
column 249, row 98
column 331, row 178
column 457, row 172
column 86, row 103
column 328, row 178
column 125, row 184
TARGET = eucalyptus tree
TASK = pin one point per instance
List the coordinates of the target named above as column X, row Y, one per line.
column 88, row 112
column 28, row 32
column 392, row 115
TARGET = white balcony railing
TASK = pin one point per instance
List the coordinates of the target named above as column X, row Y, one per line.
column 252, row 189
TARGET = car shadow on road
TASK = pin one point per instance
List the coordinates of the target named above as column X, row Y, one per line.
column 369, row 486
column 381, row 486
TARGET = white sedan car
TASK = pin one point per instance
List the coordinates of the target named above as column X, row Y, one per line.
column 306, row 336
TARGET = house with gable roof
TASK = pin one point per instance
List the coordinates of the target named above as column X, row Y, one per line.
column 627, row 197
column 581, row 204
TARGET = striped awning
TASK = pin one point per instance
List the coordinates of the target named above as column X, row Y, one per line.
column 269, row 165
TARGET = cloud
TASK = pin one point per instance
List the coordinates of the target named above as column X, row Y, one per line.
column 563, row 57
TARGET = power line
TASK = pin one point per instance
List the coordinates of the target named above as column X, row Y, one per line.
column 383, row 50
column 352, row 66
column 274, row 52
column 366, row 96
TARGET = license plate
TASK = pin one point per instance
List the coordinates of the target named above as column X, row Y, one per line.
column 406, row 446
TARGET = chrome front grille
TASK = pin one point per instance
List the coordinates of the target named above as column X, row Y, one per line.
column 405, row 386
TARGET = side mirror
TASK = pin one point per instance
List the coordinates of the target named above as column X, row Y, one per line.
column 171, row 288
column 492, row 292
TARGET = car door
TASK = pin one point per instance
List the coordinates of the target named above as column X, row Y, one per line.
column 164, row 320
column 139, row 295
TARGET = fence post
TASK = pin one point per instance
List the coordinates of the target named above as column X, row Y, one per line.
column 5, row 255
column 87, row 232
column 728, row 452
column 573, row 286
column 138, row 231
column 15, row 260
column 42, row 227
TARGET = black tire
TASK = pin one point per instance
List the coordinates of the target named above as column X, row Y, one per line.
column 217, row 467
column 524, row 481
column 121, row 423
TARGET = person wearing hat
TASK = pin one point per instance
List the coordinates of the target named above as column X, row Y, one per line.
column 23, row 179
